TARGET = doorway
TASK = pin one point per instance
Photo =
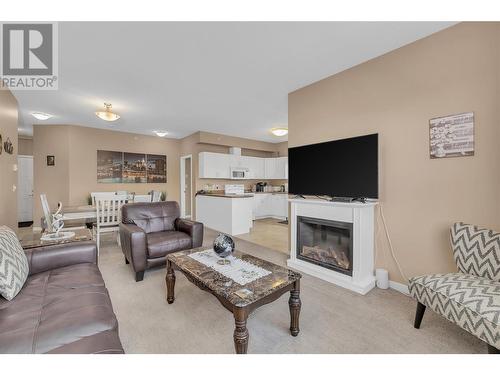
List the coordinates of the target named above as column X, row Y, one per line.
column 25, row 190
column 186, row 186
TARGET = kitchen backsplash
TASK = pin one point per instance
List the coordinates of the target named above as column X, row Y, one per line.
column 213, row 185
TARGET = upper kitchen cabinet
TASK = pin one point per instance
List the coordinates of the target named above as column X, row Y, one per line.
column 276, row 168
column 255, row 166
column 214, row 165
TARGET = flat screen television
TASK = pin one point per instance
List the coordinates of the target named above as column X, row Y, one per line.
column 341, row 168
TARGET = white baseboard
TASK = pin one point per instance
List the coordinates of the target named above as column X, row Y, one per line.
column 402, row 288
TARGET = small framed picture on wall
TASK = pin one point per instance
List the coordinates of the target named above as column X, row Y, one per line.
column 452, row 136
column 51, row 160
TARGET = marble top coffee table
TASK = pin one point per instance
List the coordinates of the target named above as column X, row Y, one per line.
column 239, row 299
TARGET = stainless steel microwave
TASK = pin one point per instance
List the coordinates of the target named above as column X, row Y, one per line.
column 239, row 173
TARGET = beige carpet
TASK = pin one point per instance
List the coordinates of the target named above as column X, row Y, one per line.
column 332, row 320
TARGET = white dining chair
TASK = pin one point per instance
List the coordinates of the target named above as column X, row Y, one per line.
column 142, row 198
column 108, row 216
column 156, row 196
column 101, row 195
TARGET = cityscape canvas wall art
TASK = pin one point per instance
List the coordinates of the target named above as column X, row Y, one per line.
column 156, row 168
column 109, row 166
column 126, row 167
column 134, row 168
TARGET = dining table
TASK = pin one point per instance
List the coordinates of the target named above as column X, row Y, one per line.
column 76, row 216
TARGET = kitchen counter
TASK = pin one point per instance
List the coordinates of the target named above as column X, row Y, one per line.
column 270, row 192
column 232, row 215
column 217, row 195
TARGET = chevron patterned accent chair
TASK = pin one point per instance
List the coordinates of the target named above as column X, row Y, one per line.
column 469, row 298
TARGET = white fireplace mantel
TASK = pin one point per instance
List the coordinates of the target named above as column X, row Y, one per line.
column 361, row 215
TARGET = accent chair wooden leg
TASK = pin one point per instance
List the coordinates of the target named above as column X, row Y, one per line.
column 126, row 261
column 294, row 304
column 493, row 350
column 240, row 335
column 139, row 276
column 170, row 280
column 419, row 315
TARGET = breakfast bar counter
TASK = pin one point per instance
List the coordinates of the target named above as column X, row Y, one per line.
column 226, row 213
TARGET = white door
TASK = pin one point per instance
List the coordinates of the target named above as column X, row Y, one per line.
column 186, row 186
column 24, row 188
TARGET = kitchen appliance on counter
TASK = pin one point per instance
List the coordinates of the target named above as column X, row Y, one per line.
column 260, row 187
column 235, row 189
column 239, row 173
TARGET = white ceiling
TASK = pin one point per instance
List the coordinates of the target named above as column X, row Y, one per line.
column 230, row 78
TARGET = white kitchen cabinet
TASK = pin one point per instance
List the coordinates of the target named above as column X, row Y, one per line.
column 214, row 165
column 217, row 165
column 255, row 166
column 259, row 206
column 270, row 205
column 276, row 168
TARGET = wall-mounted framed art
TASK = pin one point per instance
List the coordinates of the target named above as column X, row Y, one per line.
column 451, row 136
column 51, row 160
column 128, row 167
column 134, row 168
column 156, row 168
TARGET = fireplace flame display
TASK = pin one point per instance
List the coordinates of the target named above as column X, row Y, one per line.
column 325, row 243
column 331, row 256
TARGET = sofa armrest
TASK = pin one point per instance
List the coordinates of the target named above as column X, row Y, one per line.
column 134, row 245
column 192, row 228
column 47, row 258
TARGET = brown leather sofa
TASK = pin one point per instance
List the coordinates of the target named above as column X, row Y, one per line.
column 64, row 306
column 150, row 231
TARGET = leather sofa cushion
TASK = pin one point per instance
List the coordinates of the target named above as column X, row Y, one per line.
column 161, row 243
column 151, row 217
column 65, row 310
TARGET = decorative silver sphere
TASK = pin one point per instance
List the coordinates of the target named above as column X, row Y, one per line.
column 223, row 245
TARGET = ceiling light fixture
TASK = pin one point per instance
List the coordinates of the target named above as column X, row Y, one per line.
column 160, row 133
column 41, row 116
column 107, row 114
column 279, row 132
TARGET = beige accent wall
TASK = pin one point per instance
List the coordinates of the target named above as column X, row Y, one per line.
column 75, row 174
column 8, row 177
column 226, row 140
column 282, row 148
column 25, row 146
column 453, row 71
column 54, row 180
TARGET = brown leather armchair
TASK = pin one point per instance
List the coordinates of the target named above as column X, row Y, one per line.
column 150, row 231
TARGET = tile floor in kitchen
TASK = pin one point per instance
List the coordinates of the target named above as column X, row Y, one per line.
column 269, row 233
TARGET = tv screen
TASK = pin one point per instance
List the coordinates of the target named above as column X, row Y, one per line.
column 341, row 168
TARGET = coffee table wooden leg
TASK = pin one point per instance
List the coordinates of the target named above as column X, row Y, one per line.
column 240, row 332
column 294, row 304
column 170, row 280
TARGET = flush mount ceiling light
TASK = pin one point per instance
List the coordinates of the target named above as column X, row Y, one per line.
column 279, row 132
column 107, row 114
column 41, row 116
column 160, row 133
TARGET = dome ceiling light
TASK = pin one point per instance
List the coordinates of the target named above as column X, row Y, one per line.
column 279, row 132
column 41, row 116
column 160, row 133
column 107, row 114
